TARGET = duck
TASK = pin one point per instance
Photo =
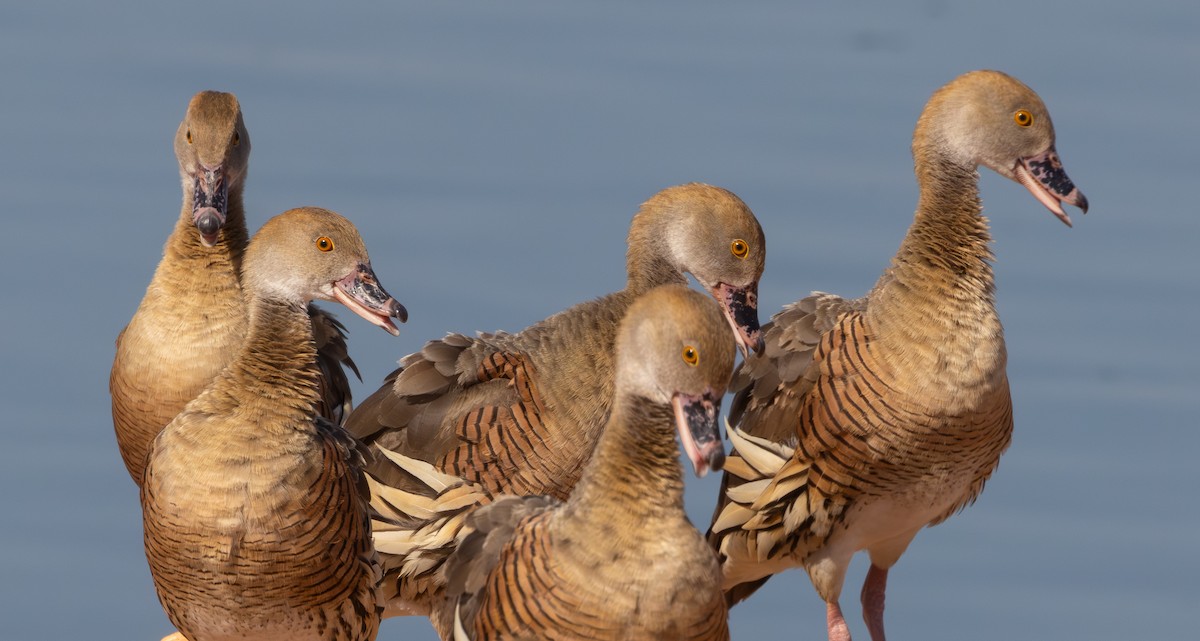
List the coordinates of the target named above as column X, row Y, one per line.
column 192, row 318
column 865, row 420
column 255, row 507
column 619, row 559
column 520, row 413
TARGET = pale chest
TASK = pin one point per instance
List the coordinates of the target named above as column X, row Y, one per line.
column 661, row 587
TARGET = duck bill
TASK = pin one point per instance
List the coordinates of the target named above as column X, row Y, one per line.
column 210, row 203
column 362, row 294
column 696, row 420
column 1043, row 175
column 740, row 305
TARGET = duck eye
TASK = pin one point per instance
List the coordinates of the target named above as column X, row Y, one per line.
column 237, row 138
column 1023, row 118
column 189, row 136
column 690, row 355
column 325, row 244
column 740, row 248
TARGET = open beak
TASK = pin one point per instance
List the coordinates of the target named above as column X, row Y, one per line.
column 696, row 420
column 740, row 305
column 210, row 205
column 1044, row 177
column 361, row 293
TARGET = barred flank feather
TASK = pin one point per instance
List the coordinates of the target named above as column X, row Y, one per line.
column 417, row 528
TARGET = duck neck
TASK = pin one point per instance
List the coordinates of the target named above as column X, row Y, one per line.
column 276, row 369
column 647, row 262
column 222, row 260
column 634, row 477
column 935, row 305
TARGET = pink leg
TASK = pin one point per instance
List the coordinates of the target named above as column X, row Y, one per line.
column 872, row 601
column 838, row 630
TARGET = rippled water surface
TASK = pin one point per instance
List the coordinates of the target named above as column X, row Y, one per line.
column 493, row 153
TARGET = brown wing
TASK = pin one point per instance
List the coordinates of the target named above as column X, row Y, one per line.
column 499, row 440
column 472, row 407
column 405, row 413
column 768, row 393
column 418, row 519
column 350, row 452
column 505, row 531
column 333, row 359
column 451, row 424
column 518, row 413
column 767, row 388
column 348, row 457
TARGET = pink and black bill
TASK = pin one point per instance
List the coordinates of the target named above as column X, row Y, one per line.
column 361, row 292
column 740, row 305
column 696, row 420
column 1043, row 175
column 210, row 203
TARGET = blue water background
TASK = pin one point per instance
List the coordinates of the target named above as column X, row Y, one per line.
column 492, row 154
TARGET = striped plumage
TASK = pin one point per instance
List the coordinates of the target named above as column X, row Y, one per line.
column 192, row 319
column 255, row 508
column 866, row 420
column 618, row 559
column 520, row 413
column 522, row 434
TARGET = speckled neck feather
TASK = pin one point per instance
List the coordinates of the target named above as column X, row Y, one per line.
column 279, row 356
column 635, row 470
column 935, row 304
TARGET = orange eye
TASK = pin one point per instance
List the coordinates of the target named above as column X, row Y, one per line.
column 189, row 136
column 325, row 244
column 740, row 248
column 237, row 138
column 1023, row 118
column 690, row 355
